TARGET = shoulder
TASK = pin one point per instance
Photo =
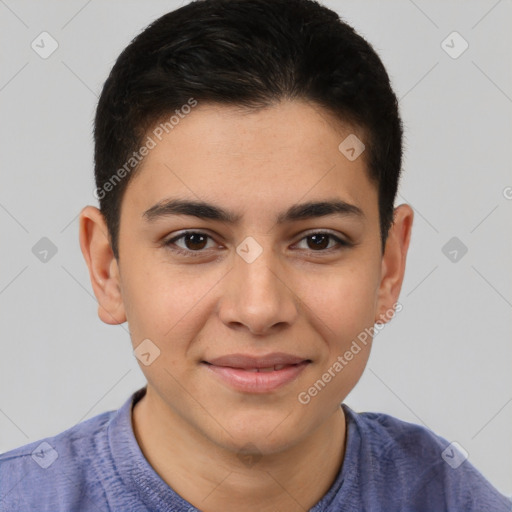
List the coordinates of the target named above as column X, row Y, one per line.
column 409, row 461
column 394, row 439
column 56, row 471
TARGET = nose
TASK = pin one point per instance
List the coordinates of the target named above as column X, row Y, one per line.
column 257, row 296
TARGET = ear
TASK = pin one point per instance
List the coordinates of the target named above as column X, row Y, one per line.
column 393, row 263
column 103, row 267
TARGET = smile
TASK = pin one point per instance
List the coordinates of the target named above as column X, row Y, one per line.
column 256, row 374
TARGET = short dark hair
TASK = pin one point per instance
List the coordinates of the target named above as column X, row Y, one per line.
column 252, row 54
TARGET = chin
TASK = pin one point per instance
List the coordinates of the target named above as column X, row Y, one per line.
column 266, row 431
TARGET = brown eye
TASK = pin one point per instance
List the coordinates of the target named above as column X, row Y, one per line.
column 191, row 242
column 195, row 241
column 318, row 242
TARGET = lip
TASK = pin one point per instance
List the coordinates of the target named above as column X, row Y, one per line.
column 240, row 371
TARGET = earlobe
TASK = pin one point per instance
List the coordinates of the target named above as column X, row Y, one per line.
column 103, row 267
column 393, row 262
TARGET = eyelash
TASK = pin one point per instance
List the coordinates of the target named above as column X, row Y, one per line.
column 189, row 253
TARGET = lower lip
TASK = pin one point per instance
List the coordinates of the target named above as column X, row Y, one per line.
column 257, row 382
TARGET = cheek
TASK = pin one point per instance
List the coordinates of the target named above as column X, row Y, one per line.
column 344, row 317
column 345, row 304
column 165, row 304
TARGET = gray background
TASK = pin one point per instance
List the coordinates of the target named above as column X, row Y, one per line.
column 443, row 362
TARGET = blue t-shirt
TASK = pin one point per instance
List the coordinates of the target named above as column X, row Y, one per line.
column 97, row 465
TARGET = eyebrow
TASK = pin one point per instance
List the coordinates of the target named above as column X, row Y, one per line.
column 203, row 210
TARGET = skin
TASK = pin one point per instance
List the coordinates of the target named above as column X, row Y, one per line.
column 294, row 298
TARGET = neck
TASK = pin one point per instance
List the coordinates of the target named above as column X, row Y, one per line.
column 212, row 478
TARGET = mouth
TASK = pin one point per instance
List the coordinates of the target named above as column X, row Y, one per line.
column 256, row 374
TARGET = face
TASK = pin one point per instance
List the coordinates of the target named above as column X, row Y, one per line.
column 251, row 305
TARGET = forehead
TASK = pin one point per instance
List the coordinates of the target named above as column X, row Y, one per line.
column 260, row 160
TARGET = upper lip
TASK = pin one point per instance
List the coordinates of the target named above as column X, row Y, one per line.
column 266, row 361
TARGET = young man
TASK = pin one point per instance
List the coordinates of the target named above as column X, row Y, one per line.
column 247, row 159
